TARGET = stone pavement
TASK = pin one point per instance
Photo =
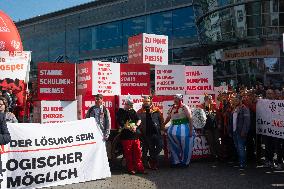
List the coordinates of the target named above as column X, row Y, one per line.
column 201, row 174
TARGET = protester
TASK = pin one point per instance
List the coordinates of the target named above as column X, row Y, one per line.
column 9, row 116
column 128, row 121
column 11, row 99
column 151, row 122
column 101, row 114
column 210, row 128
column 253, row 148
column 103, row 120
column 5, row 137
column 180, row 133
column 238, row 128
column 227, row 150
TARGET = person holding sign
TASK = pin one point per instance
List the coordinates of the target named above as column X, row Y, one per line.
column 180, row 133
column 128, row 122
column 152, row 120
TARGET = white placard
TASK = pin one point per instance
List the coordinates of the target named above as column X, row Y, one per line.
column 106, row 78
column 193, row 101
column 169, row 80
column 270, row 118
column 155, row 49
column 14, row 65
column 58, row 111
column 166, row 107
column 199, row 79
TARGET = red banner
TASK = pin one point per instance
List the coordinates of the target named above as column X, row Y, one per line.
column 135, row 79
column 109, row 103
column 56, row 81
column 135, row 49
column 84, row 78
column 201, row 148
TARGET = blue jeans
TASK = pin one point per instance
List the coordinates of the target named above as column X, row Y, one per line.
column 240, row 143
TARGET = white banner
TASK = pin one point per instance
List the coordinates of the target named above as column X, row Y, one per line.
column 169, row 80
column 106, row 78
column 193, row 100
column 54, row 154
column 155, row 49
column 199, row 79
column 58, row 111
column 166, row 107
column 14, row 65
column 270, row 118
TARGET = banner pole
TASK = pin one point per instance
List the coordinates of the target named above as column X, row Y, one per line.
column 27, row 88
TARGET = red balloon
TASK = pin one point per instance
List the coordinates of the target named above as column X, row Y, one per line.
column 10, row 39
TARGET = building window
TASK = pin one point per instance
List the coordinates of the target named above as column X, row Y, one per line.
column 160, row 23
column 107, row 36
column 56, row 44
column 133, row 27
column 184, row 23
column 85, row 39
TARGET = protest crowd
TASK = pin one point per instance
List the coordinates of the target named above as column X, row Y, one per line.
column 87, row 133
column 224, row 121
column 230, row 130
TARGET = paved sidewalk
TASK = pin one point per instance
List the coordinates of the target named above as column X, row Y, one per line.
column 199, row 175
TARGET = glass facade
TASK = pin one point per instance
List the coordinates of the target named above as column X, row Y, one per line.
column 199, row 32
column 101, row 33
column 225, row 25
column 178, row 25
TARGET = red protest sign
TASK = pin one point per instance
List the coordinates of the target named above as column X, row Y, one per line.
column 56, row 81
column 135, row 79
column 148, row 48
column 84, row 78
column 135, row 49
